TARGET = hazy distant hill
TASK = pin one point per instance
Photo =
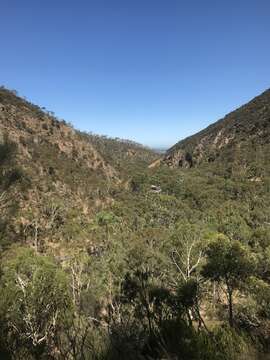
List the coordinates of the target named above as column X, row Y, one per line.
column 123, row 155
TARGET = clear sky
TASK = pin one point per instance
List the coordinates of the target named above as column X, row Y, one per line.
column 153, row 71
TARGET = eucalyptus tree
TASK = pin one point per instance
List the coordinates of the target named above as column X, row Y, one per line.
column 230, row 264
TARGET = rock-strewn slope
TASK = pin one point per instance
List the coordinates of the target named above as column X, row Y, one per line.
column 66, row 176
column 33, row 131
column 241, row 135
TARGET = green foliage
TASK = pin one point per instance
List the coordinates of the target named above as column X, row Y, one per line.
column 228, row 261
column 187, row 293
column 135, row 273
column 261, row 292
column 10, row 178
column 126, row 156
column 223, row 344
column 34, row 298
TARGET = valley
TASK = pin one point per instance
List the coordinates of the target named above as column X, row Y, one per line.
column 111, row 250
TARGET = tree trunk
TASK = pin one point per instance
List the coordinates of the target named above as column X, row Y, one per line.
column 230, row 300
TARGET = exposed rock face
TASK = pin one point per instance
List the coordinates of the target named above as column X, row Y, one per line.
column 179, row 158
column 239, row 131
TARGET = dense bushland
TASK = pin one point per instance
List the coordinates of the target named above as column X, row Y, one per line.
column 154, row 263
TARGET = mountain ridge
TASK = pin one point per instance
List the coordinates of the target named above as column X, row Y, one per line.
column 248, row 124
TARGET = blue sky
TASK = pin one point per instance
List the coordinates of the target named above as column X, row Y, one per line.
column 153, row 71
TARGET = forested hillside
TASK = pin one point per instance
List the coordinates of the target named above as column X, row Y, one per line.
column 60, row 170
column 104, row 257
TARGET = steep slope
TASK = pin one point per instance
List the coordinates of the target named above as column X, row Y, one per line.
column 35, row 131
column 126, row 156
column 240, row 138
column 66, row 176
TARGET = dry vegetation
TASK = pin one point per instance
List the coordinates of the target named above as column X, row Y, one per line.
column 104, row 257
